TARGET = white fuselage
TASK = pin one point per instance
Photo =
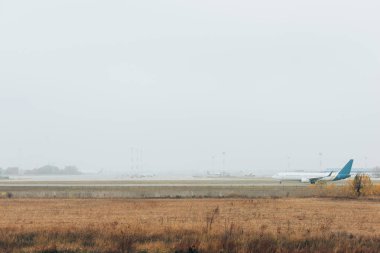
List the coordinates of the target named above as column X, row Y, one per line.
column 299, row 176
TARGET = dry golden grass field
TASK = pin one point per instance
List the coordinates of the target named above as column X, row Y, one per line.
column 189, row 225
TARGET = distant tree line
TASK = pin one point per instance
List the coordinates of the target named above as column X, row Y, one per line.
column 53, row 170
column 44, row 170
column 9, row 171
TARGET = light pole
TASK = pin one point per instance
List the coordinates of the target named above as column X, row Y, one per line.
column 213, row 167
column 224, row 160
column 131, row 159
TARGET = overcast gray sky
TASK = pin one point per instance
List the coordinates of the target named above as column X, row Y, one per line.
column 81, row 82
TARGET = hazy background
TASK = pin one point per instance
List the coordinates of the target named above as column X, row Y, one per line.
column 267, row 82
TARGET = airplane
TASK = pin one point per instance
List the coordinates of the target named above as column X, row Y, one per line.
column 311, row 177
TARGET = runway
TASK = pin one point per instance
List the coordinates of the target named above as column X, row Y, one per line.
column 159, row 188
column 146, row 183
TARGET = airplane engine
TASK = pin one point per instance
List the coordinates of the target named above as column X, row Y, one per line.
column 305, row 180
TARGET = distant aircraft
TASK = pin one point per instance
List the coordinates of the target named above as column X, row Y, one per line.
column 311, row 177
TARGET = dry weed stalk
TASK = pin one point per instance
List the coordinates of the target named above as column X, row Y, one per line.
column 238, row 225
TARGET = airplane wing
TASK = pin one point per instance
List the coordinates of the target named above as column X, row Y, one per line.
column 315, row 179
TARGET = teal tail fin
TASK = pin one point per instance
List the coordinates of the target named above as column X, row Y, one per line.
column 346, row 169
